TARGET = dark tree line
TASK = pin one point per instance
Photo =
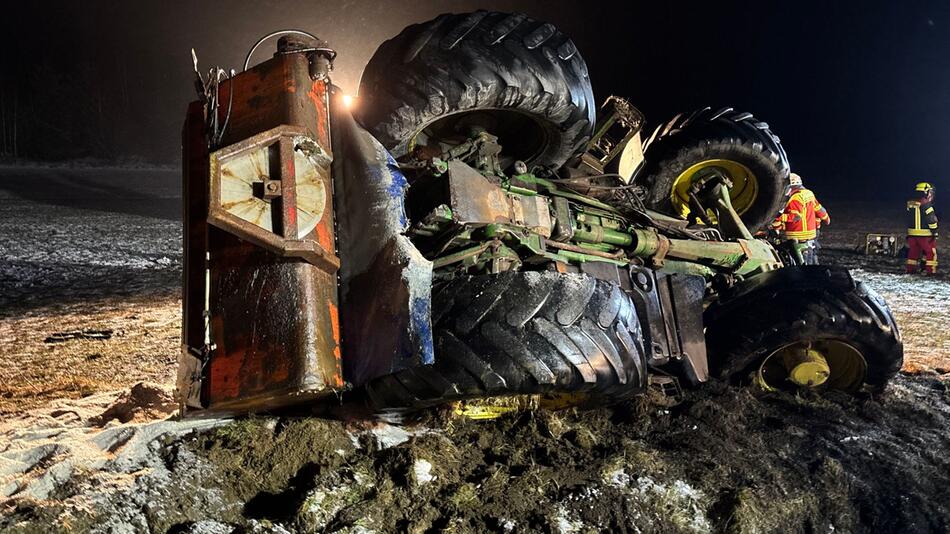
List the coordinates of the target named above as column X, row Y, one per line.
column 85, row 110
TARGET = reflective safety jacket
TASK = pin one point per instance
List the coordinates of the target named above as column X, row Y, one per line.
column 802, row 216
column 921, row 218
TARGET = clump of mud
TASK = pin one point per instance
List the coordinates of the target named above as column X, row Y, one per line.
column 723, row 459
column 142, row 402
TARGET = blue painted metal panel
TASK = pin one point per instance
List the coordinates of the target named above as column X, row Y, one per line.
column 385, row 283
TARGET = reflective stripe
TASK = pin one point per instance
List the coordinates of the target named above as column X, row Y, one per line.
column 804, row 235
column 918, row 229
column 804, row 195
column 912, row 262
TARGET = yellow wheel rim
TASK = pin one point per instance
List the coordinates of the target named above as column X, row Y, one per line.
column 745, row 185
column 843, row 366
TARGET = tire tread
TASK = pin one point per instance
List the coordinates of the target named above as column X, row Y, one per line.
column 482, row 352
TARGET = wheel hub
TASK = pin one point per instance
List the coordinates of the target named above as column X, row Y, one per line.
column 744, row 190
column 806, row 367
column 825, row 364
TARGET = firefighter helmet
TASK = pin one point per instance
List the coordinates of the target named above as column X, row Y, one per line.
column 924, row 187
column 794, row 179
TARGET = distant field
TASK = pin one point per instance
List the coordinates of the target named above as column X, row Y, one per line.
column 72, row 236
column 852, row 221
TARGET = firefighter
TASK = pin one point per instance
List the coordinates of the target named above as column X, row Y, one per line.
column 800, row 220
column 922, row 230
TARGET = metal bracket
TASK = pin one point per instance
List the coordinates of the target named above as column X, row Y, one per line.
column 663, row 247
column 667, row 385
column 279, row 227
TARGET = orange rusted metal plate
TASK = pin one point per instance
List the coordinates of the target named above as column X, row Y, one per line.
column 273, row 327
column 274, row 324
column 276, row 92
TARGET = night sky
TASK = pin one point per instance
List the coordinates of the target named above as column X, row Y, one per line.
column 858, row 91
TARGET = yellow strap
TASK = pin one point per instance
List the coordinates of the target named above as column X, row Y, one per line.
column 918, row 232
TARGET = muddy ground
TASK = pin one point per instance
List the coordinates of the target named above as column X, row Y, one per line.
column 722, row 459
column 76, row 455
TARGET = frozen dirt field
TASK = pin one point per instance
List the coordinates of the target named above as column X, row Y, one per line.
column 83, row 450
column 74, row 236
column 87, row 249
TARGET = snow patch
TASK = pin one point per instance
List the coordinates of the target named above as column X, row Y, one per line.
column 565, row 523
column 389, row 436
column 45, row 449
column 677, row 501
column 422, row 470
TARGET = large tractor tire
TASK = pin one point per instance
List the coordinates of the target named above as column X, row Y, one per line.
column 523, row 334
column 735, row 143
column 519, row 78
column 768, row 329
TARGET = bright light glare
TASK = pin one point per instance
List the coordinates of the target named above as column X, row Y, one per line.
column 348, row 101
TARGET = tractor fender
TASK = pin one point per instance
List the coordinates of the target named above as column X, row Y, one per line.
column 788, row 279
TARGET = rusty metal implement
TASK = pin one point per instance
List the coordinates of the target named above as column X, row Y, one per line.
column 261, row 322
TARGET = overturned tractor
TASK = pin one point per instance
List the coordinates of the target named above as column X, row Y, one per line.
column 478, row 228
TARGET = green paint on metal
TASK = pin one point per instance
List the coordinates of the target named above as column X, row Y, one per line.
column 520, row 190
column 646, row 243
column 552, row 189
column 459, row 256
column 589, row 224
column 686, row 267
column 600, row 247
column 593, row 233
column 585, row 258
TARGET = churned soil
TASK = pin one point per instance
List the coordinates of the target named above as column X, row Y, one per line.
column 720, row 459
